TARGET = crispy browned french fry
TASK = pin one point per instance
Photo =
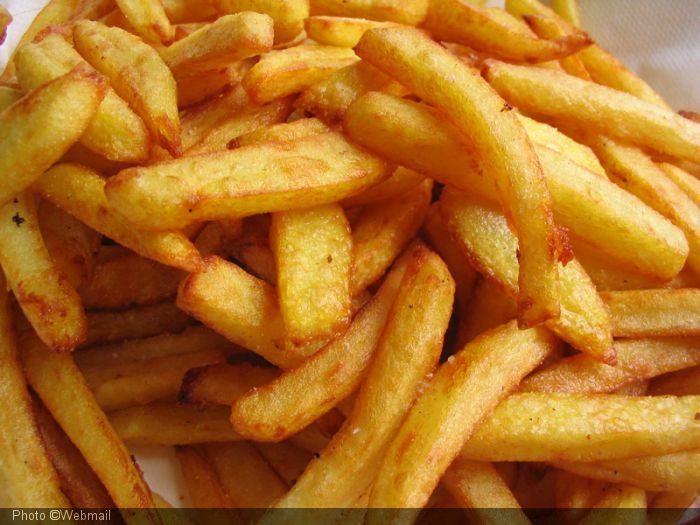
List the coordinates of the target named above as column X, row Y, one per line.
column 223, row 384
column 548, row 28
column 437, row 76
column 201, row 480
column 252, row 249
column 56, row 379
column 682, row 383
column 464, row 390
column 287, row 459
column 137, row 74
column 288, row 15
column 149, row 20
column 487, row 308
column 400, row 183
column 246, row 181
column 196, row 88
column 409, row 12
column 294, row 130
column 463, row 22
column 339, row 31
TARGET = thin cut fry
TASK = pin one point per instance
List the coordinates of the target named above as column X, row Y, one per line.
column 547, row 28
column 687, row 182
column 288, row 460
column 149, row 20
column 201, row 480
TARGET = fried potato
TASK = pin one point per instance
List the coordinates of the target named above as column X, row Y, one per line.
column 252, row 249
column 149, row 20
column 247, row 181
column 51, row 304
column 202, row 483
column 437, row 76
column 622, row 504
column 188, row 11
column 465, row 23
column 282, row 73
column 38, row 129
column 81, row 192
column 681, row 383
column 219, row 44
column 585, row 427
column 576, row 494
column 687, row 182
column 5, row 21
column 284, row 406
column 223, row 384
column 27, row 474
column 313, row 255
column 487, row 308
column 287, row 131
column 56, row 379
column 382, row 232
column 568, row 9
column 401, row 182
column 549, row 29
column 483, row 235
column 464, row 390
column 408, row 350
column 288, row 15
column 197, row 88
column 596, row 107
column 637, row 359
column 339, row 31
column 8, row 96
column 288, row 460
column 137, row 74
column 409, row 12
column 115, row 131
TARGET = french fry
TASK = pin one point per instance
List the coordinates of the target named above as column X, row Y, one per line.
column 288, row 460
column 416, row 325
column 56, row 379
column 411, row 12
column 383, row 231
column 188, row 11
column 687, row 182
column 533, row 485
column 28, row 476
column 549, row 29
column 340, row 31
column 298, row 129
column 38, row 129
column 149, row 20
column 216, row 237
column 484, row 236
column 476, row 110
column 463, row 391
column 669, row 507
column 219, row 44
column 576, row 494
column 313, row 255
column 50, row 303
column 165, row 423
column 253, row 251
column 622, row 504
column 465, row 23
column 137, row 74
column 8, row 96
column 568, row 10
column 284, row 406
column 585, row 427
column 288, row 15
column 223, row 384
column 115, row 131
column 194, row 89
column 487, row 308
column 201, row 480
column 637, row 359
column 681, row 383
column 247, row 181
column 287, row 71
column 400, row 183
column 5, row 21
column 596, row 107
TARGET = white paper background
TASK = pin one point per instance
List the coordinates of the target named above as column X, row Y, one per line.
column 660, row 40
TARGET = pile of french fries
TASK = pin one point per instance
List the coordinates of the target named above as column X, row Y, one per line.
column 372, row 254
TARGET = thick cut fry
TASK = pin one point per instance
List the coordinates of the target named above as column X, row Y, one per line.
column 115, row 131
column 137, row 74
column 288, row 15
column 81, row 192
column 298, row 129
column 687, row 182
column 465, row 23
column 483, row 234
column 401, row 182
column 585, row 427
column 219, row 44
column 339, row 31
column 683, row 383
column 56, row 379
column 188, row 11
column 27, row 477
column 437, row 76
column 50, row 303
column 38, row 129
column 409, row 12
column 637, row 359
column 223, row 384
column 313, row 254
column 596, row 107
column 407, row 351
column 149, row 20
column 194, row 89
column 463, row 391
column 202, row 483
column 383, row 231
column 247, row 181
column 487, row 308
column 596, row 210
column 252, row 249
column 282, row 407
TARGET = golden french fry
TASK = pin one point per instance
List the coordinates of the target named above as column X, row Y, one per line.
column 216, row 237
column 298, row 129
column 5, row 21
column 115, row 131
column 682, row 383
column 407, row 351
column 149, row 20
column 437, row 76
column 188, row 11
column 464, row 390
column 687, row 182
column 196, row 88
column 339, row 31
column 282, row 73
column 465, row 23
column 137, row 74
column 568, row 9
column 201, row 480
column 51, row 304
column 252, row 249
column 409, row 12
column 288, row 15
column 621, row 504
column 8, row 96
column 288, row 460
column 577, row 494
column 219, row 44
column 585, row 427
column 596, row 107
column 401, row 182
column 487, row 308
column 223, row 384
column 56, row 379
column 247, row 181
column 313, row 255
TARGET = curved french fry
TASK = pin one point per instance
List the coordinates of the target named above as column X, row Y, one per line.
column 149, row 20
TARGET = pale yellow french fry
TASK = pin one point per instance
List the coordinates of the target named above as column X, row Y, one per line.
column 247, row 181
column 149, row 20
column 231, row 38
column 298, row 129
column 189, row 11
column 487, row 308
column 682, row 383
column 288, row 15
column 137, row 74
column 400, row 183
column 409, row 12
column 462, row 392
column 287, row 71
column 548, row 28
column 687, row 182
column 339, row 31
